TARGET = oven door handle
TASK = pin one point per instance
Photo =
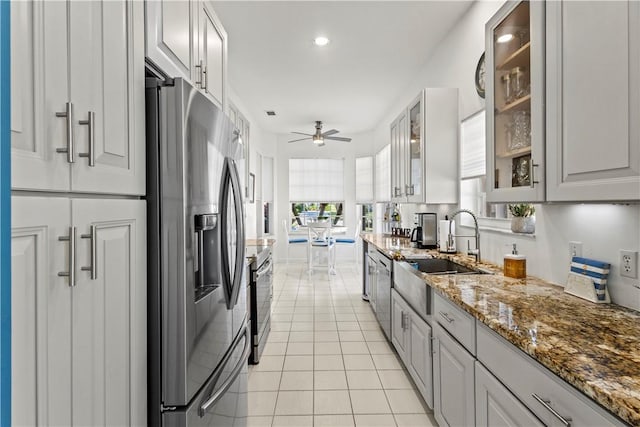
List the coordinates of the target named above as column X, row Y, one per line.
column 213, row 399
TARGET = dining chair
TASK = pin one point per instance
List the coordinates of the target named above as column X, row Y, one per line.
column 320, row 239
column 296, row 241
column 348, row 241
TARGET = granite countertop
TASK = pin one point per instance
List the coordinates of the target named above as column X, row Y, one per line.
column 255, row 246
column 594, row 347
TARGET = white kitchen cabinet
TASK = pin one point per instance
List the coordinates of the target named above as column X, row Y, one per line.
column 424, row 149
column 81, row 123
column 82, row 335
column 496, row 406
column 399, row 320
column 515, row 112
column 211, row 66
column 593, row 100
column 420, row 356
column 453, row 381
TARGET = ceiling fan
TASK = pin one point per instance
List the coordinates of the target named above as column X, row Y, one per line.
column 319, row 137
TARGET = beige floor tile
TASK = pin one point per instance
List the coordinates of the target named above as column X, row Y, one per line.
column 278, row 337
column 357, row 362
column 293, row 421
column 333, row 421
column 274, row 348
column 363, row 380
column 325, row 326
column 328, row 363
column 324, row 317
column 262, row 402
column 302, row 326
column 327, row 348
column 379, row 347
column 302, row 317
column 395, row 379
column 264, row 421
column 329, row 380
column 298, row 363
column 405, row 402
column 374, row 336
column 354, row 347
column 294, row 403
column 296, row 380
column 371, row 325
column 300, row 348
column 415, row 420
column 351, row 336
column 264, row 381
column 383, row 420
column 301, row 336
column 281, row 317
column 348, row 326
column 366, row 316
column 331, row 402
column 386, row 361
column 326, row 336
column 269, row 363
column 369, row 402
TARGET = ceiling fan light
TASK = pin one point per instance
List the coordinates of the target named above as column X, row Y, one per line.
column 318, row 140
column 321, row 41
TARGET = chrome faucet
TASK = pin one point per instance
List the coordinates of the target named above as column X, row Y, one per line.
column 475, row 252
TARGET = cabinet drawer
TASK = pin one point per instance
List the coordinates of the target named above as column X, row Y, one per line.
column 525, row 378
column 459, row 324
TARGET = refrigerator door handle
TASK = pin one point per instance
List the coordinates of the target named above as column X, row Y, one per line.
column 240, row 232
column 213, row 398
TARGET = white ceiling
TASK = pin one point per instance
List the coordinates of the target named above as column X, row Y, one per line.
column 375, row 50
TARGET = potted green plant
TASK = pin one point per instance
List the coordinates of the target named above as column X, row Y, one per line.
column 523, row 220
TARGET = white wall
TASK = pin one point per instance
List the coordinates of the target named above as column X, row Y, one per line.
column 603, row 229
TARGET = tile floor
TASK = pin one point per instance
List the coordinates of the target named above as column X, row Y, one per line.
column 327, row 362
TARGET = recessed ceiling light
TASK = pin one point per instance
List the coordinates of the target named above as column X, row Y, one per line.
column 505, row 38
column 270, row 113
column 321, row 41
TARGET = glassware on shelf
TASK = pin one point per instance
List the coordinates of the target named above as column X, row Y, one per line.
column 507, row 89
column 518, row 82
column 508, row 134
column 523, row 36
column 521, row 130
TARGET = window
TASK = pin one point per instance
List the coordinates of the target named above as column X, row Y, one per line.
column 383, row 174
column 302, row 213
column 316, row 180
column 473, row 171
column 366, row 217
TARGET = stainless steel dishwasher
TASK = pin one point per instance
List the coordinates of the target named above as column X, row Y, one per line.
column 383, row 294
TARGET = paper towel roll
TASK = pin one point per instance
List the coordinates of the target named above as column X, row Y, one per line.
column 443, row 231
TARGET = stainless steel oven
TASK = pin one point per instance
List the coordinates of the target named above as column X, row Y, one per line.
column 261, row 294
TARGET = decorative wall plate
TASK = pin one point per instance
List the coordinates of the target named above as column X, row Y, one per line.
column 480, row 74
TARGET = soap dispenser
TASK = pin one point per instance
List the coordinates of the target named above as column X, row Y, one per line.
column 515, row 265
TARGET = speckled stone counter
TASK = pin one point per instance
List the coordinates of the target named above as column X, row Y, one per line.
column 596, row 348
column 255, row 246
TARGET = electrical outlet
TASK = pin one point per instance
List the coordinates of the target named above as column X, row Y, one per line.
column 629, row 264
column 575, row 249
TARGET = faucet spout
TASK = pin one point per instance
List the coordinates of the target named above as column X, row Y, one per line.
column 476, row 252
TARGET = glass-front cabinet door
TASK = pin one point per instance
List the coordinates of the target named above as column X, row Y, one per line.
column 515, row 103
column 415, row 152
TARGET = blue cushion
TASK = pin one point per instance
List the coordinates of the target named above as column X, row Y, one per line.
column 321, row 242
column 298, row 240
column 345, row 241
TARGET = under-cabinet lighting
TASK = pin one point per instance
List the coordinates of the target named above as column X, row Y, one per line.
column 321, row 41
column 505, row 38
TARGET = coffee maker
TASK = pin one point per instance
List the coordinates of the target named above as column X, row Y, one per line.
column 424, row 236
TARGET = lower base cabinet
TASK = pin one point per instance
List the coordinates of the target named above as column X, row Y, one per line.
column 496, row 406
column 453, row 381
column 78, row 311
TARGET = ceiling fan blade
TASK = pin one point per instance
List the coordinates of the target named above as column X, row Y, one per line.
column 330, row 132
column 302, row 133
column 338, row 138
column 296, row 140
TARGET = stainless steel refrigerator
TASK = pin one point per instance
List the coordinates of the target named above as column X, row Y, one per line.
column 198, row 341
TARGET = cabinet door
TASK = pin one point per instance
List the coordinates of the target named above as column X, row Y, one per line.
column 403, row 155
column 420, row 357
column 109, row 313
column 40, row 312
column 169, row 35
column 399, row 314
column 453, row 381
column 496, row 406
column 415, row 151
column 212, row 54
column 396, row 162
column 107, row 82
column 593, row 148
column 39, row 84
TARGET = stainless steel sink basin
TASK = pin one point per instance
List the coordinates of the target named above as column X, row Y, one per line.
column 444, row 266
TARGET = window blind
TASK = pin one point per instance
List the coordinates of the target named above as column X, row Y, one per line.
column 383, row 174
column 473, row 149
column 364, row 179
column 316, row 180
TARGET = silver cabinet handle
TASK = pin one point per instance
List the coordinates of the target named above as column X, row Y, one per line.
column 91, row 123
column 203, row 71
column 402, row 320
column 93, row 268
column 71, row 238
column 431, row 349
column 68, row 115
column 546, row 403
column 406, row 320
column 446, row 317
column 531, row 173
column 205, row 79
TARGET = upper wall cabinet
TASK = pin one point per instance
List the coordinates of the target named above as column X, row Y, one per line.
column 78, row 108
column 424, row 149
column 186, row 39
column 593, row 101
column 515, row 103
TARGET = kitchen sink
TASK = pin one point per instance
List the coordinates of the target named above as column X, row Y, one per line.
column 444, row 266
